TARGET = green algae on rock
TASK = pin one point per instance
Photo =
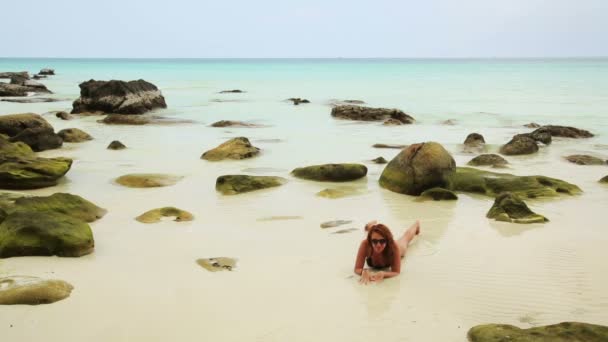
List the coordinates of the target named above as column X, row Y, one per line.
column 217, row 264
column 32, row 290
column 418, row 168
column 237, row 148
column 439, row 194
column 493, row 160
column 562, row 332
column 236, row 184
column 467, row 179
column 509, row 208
column 74, row 135
column 26, row 233
column 154, row 215
column 147, row 180
column 63, row 203
column 331, row 172
column 31, row 172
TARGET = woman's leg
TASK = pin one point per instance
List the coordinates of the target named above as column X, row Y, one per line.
column 408, row 236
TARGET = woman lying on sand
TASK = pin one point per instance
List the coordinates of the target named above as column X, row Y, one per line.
column 381, row 251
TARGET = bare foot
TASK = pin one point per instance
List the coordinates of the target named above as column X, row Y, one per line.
column 417, row 227
column 369, row 225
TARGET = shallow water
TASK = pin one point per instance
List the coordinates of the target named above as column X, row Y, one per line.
column 294, row 280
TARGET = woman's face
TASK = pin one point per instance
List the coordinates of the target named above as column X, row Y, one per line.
column 378, row 242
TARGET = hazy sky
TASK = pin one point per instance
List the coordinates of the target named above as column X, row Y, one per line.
column 311, row 28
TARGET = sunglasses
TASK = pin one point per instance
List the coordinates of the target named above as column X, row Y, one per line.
column 378, row 241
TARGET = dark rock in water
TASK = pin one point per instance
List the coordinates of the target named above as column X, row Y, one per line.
column 154, row 215
column 564, row 131
column 233, row 91
column 356, row 102
column 604, row 179
column 10, row 74
column 532, row 125
column 147, row 180
column 32, row 86
column 47, row 71
column 392, row 122
column 120, row 97
column 31, row 129
column 562, row 332
column 467, row 179
column 74, row 135
column 520, row 144
column 125, row 119
column 296, row 100
column 116, row 145
column 217, row 264
column 439, row 194
column 32, row 290
column 509, row 208
column 389, row 146
column 17, row 90
column 331, row 172
column 64, row 116
column 361, row 113
column 493, row 160
column 379, row 160
column 418, row 168
column 542, row 137
column 32, row 100
column 39, row 77
column 236, row 184
column 449, row 122
column 39, row 139
column 582, row 159
column 14, row 124
column 474, row 139
column 336, row 223
column 237, row 148
column 230, row 123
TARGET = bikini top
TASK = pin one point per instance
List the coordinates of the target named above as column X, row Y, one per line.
column 371, row 264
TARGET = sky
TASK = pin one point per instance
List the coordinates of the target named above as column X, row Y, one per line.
column 304, row 29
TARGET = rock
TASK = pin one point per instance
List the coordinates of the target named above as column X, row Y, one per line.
column 439, row 194
column 64, row 116
column 13, row 90
column 47, row 71
column 233, row 91
column 604, row 179
column 31, row 129
column 449, row 122
column 361, row 113
column 74, row 135
column 133, row 97
column 125, row 119
column 474, row 139
column 564, row 131
column 296, row 100
column 116, row 145
column 230, row 123
column 62, row 203
column 336, row 223
column 217, row 264
column 562, row 332
column 542, row 137
column 32, row 100
column 467, row 179
column 237, row 184
column 331, row 172
column 29, row 233
column 418, row 168
column 509, row 208
column 532, row 125
column 32, row 290
column 493, row 160
column 147, row 180
column 582, row 159
column 154, row 215
column 379, row 160
column 33, row 86
column 519, row 145
column 389, row 146
column 39, row 77
column 356, row 102
column 339, row 192
column 237, row 148
column 392, row 122
column 10, row 74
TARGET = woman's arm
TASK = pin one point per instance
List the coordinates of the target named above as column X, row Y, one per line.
column 360, row 262
column 395, row 267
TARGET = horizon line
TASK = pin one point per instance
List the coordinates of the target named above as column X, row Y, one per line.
column 324, row 58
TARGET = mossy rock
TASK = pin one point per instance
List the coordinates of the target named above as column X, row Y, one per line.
column 236, row 184
column 74, row 135
column 154, row 215
column 26, row 233
column 63, row 203
column 493, row 160
column 237, row 148
column 116, row 145
column 339, row 192
column 331, row 172
column 562, row 332
column 509, row 208
column 582, row 159
column 32, row 290
column 31, row 172
column 467, row 179
column 519, row 145
column 217, row 264
column 147, row 180
column 379, row 160
column 14, row 149
column 564, row 131
column 418, row 168
column 604, row 179
column 439, row 194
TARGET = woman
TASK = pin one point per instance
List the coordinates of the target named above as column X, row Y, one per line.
column 381, row 251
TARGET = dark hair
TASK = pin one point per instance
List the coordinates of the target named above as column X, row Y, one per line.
column 383, row 230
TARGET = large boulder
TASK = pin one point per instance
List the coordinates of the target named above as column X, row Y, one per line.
column 562, row 332
column 509, row 208
column 133, row 97
column 493, row 160
column 74, row 135
column 583, row 159
column 520, row 144
column 564, row 131
column 331, row 172
column 361, row 113
column 31, row 129
column 418, row 168
column 62, row 203
column 32, row 290
column 467, row 179
column 237, row 148
column 236, row 184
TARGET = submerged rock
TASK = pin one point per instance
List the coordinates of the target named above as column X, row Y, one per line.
column 233, row 91
column 519, row 145
column 564, row 131
column 439, row 194
column 562, row 332
column 389, row 146
column 31, row 129
column 418, row 168
column 582, row 159
column 336, row 223
column 237, row 148
column 32, row 290
column 296, row 100
column 361, row 113
column 339, row 192
column 147, row 180
column 32, row 100
column 509, row 208
column 154, row 215
column 74, row 135
column 331, row 172
column 116, row 145
column 474, row 139
column 380, row 160
column 392, row 122
column 46, row 71
column 493, row 160
column 230, row 123
column 217, row 264
column 236, row 184
column 133, row 97
column 64, row 115
column 125, row 119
